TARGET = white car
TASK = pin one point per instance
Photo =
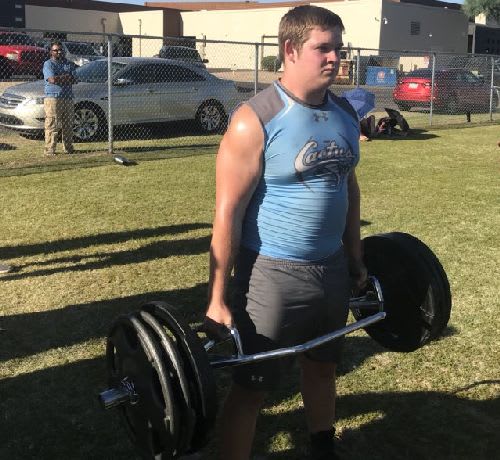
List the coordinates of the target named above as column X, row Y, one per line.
column 144, row 90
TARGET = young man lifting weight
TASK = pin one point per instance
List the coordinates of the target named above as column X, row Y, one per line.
column 288, row 221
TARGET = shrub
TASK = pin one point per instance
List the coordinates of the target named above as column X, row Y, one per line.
column 271, row 63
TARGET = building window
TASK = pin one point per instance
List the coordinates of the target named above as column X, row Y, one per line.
column 18, row 6
column 414, row 28
column 19, row 19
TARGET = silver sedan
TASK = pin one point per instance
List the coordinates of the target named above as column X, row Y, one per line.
column 144, row 90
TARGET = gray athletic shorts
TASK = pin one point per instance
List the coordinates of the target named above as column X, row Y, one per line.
column 281, row 303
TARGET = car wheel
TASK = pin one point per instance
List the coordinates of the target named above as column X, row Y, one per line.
column 89, row 123
column 211, row 117
column 402, row 106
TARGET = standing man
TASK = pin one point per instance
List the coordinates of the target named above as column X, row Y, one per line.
column 59, row 75
column 288, row 221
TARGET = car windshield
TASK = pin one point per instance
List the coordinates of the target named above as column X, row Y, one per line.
column 181, row 53
column 16, row 39
column 97, row 71
column 83, row 49
column 420, row 73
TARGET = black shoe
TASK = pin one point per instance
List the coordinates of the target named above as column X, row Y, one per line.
column 323, row 445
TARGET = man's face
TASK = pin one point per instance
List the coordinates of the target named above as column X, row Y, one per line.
column 56, row 52
column 319, row 58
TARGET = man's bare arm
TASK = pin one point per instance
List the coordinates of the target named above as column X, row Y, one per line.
column 66, row 79
column 238, row 170
column 352, row 232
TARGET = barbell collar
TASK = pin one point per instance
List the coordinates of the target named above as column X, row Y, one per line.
column 239, row 359
column 371, row 300
column 114, row 397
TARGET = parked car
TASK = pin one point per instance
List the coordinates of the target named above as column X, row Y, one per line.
column 455, row 90
column 182, row 53
column 145, row 90
column 19, row 55
column 479, row 65
column 78, row 52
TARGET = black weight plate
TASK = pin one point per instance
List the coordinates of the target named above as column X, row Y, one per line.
column 447, row 302
column 439, row 278
column 180, row 384
column 152, row 420
column 431, row 310
column 408, row 299
column 444, row 281
column 198, row 369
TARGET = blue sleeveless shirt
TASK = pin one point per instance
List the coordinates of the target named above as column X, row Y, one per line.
column 298, row 210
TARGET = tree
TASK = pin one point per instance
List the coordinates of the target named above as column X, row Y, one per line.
column 490, row 8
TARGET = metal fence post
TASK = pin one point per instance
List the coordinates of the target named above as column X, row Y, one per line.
column 256, row 76
column 358, row 60
column 492, row 87
column 110, row 95
column 432, row 87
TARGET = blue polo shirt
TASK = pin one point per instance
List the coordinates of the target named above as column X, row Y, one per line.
column 53, row 68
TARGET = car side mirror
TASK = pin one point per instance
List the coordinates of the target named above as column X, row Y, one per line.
column 123, row 82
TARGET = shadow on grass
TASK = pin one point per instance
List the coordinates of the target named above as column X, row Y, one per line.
column 413, row 135
column 414, row 425
column 88, row 158
column 9, row 147
column 169, row 130
column 95, row 240
column 54, row 414
column 32, row 333
column 167, row 148
column 152, row 251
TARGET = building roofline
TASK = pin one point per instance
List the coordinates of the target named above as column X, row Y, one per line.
column 245, row 5
column 89, row 5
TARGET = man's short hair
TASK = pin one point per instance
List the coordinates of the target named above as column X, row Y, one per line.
column 296, row 25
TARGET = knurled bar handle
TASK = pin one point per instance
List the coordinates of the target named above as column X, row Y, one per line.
column 281, row 352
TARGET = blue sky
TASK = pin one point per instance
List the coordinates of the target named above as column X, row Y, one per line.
column 141, row 2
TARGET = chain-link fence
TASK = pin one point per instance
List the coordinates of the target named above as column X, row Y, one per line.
column 431, row 88
column 129, row 89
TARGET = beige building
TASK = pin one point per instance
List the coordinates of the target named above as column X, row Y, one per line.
column 426, row 25
column 74, row 16
column 372, row 24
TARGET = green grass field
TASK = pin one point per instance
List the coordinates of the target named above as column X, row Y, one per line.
column 90, row 239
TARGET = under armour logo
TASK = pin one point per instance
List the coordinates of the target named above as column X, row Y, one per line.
column 257, row 378
column 320, row 116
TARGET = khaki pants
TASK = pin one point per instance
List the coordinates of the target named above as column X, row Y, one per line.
column 59, row 115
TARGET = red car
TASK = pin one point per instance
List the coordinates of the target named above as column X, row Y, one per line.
column 19, row 55
column 455, row 90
